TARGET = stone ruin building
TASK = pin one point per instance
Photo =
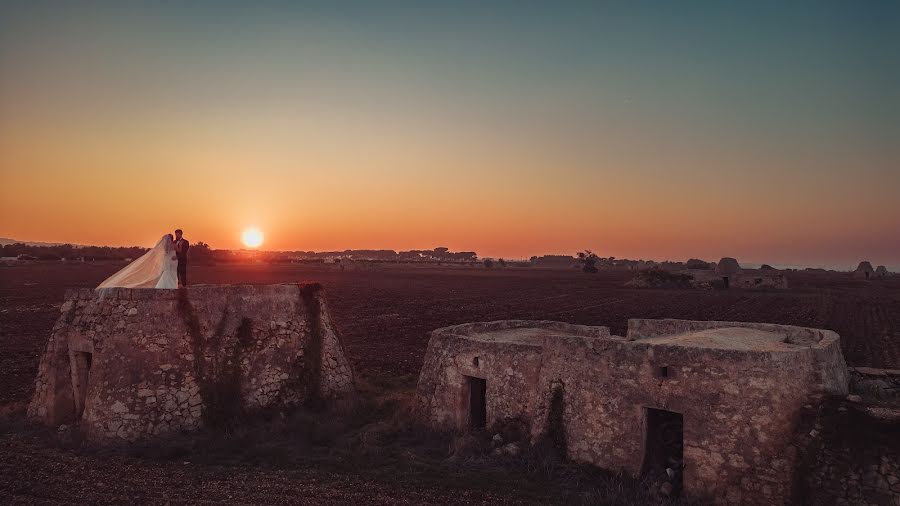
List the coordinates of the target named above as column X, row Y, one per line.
column 864, row 271
column 730, row 274
column 131, row 364
column 714, row 402
column 727, row 273
column 728, row 266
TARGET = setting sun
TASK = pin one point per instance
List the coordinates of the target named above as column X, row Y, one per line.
column 252, row 237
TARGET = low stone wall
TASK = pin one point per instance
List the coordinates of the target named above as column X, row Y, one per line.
column 707, row 280
column 746, row 280
column 876, row 384
column 128, row 364
column 847, row 455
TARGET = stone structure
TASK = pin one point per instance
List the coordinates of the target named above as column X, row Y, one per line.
column 728, row 266
column 864, row 271
column 129, row 364
column 881, row 272
column 721, row 398
column 555, row 261
column 747, row 279
column 729, row 274
column 849, row 451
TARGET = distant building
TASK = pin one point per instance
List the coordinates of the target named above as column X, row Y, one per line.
column 727, row 274
column 864, row 271
column 728, row 266
column 554, row 261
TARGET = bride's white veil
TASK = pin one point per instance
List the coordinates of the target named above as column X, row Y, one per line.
column 145, row 271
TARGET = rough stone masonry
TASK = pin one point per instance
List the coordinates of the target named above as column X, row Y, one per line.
column 714, row 404
column 131, row 364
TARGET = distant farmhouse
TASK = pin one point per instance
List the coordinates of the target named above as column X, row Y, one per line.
column 727, row 273
column 864, row 271
column 555, row 261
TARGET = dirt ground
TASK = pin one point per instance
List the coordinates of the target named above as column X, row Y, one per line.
column 384, row 313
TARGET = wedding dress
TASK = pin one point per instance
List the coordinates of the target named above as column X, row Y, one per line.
column 155, row 269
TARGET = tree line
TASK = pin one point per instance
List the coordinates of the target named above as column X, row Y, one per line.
column 199, row 252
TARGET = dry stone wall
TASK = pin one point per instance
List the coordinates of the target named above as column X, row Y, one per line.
column 738, row 405
column 849, row 455
column 130, row 364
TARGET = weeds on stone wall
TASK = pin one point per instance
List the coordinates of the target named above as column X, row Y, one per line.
column 556, row 430
column 377, row 442
column 217, row 374
column 312, row 354
column 305, row 379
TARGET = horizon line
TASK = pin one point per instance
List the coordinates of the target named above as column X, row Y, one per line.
column 781, row 265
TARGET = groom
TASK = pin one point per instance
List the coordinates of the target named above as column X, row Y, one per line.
column 181, row 251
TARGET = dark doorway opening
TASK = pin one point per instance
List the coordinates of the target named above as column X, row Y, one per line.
column 81, row 372
column 477, row 402
column 725, row 281
column 664, row 447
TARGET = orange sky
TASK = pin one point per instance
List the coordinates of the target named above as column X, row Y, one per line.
column 115, row 133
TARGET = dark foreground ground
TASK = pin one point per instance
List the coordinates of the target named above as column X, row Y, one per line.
column 383, row 314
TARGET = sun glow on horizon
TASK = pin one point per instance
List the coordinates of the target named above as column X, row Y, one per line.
column 252, row 237
column 510, row 132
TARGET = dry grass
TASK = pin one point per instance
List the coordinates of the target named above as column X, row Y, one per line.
column 375, row 439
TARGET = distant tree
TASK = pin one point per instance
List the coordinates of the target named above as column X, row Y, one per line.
column 201, row 253
column 588, row 261
column 67, row 251
column 464, row 256
column 501, row 262
column 488, row 263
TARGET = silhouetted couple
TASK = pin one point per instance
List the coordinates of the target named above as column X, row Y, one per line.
column 164, row 266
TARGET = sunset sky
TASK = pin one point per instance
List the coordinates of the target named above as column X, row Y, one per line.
column 682, row 129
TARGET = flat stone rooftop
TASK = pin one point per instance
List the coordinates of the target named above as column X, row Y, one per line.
column 528, row 335
column 771, row 338
column 728, row 338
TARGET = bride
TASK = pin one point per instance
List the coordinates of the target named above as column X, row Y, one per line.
column 155, row 269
